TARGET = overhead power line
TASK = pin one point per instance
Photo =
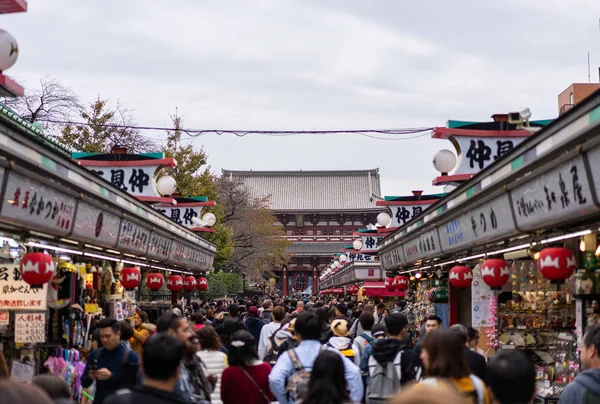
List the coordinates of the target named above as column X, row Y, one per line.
column 385, row 134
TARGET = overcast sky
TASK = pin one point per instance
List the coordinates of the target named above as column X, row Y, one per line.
column 320, row 64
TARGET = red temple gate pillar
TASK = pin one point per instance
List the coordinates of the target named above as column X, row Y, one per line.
column 315, row 282
column 284, row 288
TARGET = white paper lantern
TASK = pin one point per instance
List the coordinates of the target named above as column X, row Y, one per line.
column 357, row 244
column 210, row 219
column 336, row 264
column 343, row 258
column 384, row 219
column 166, row 185
column 9, row 50
column 444, row 161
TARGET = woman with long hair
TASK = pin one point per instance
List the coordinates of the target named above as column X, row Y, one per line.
column 327, row 383
column 215, row 360
column 444, row 359
column 246, row 380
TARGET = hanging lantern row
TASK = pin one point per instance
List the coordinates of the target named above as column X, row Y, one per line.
column 461, row 277
column 130, row 277
column 557, row 264
column 37, row 269
column 398, row 283
column 353, row 289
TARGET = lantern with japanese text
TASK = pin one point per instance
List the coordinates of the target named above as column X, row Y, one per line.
column 389, row 284
column 37, row 269
column 189, row 283
column 202, row 284
column 130, row 277
column 461, row 277
column 495, row 273
column 154, row 281
column 557, row 264
column 174, row 283
column 401, row 283
column 353, row 289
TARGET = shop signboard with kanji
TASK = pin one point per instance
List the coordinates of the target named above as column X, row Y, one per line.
column 358, row 257
column 137, row 181
column 478, row 153
column 555, row 196
column 182, row 215
column 159, row 246
column 426, row 245
column 182, row 254
column 370, row 242
column 96, row 225
column 38, row 206
column 487, row 222
column 593, row 158
column 16, row 294
column 133, row 238
column 393, row 258
column 403, row 214
column 30, row 328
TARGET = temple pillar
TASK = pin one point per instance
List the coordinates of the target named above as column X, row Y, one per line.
column 284, row 289
column 315, row 282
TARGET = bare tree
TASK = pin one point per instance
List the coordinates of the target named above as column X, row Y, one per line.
column 49, row 103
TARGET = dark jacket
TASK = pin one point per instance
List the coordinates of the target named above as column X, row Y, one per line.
column 289, row 343
column 476, row 364
column 123, row 371
column 266, row 316
column 143, row 394
column 254, row 325
column 385, row 350
column 584, row 389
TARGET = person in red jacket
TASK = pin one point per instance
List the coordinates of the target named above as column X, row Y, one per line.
column 246, row 380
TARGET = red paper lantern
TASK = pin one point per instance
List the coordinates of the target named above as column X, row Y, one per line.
column 557, row 264
column 37, row 269
column 401, row 283
column 154, row 281
column 353, row 289
column 189, row 283
column 389, row 284
column 495, row 273
column 174, row 283
column 202, row 284
column 461, row 277
column 130, row 277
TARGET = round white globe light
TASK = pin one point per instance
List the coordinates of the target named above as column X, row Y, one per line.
column 166, row 185
column 384, row 219
column 210, row 219
column 9, row 50
column 343, row 258
column 444, row 161
column 357, row 244
column 336, row 264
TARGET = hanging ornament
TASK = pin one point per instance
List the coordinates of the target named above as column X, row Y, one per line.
column 557, row 264
column 401, row 283
column 174, row 283
column 130, row 277
column 461, row 277
column 389, row 284
column 202, row 284
column 353, row 289
column 37, row 269
column 495, row 273
column 189, row 283
column 154, row 281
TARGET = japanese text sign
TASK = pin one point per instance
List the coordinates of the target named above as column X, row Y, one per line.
column 96, row 225
column 159, row 246
column 405, row 213
column 182, row 215
column 133, row 237
column 16, row 294
column 563, row 191
column 370, row 242
column 393, row 257
column 477, row 153
column 30, row 328
column 37, row 206
column 137, row 181
column 183, row 255
column 424, row 246
column 358, row 257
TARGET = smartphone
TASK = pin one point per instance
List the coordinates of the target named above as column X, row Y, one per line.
column 94, row 365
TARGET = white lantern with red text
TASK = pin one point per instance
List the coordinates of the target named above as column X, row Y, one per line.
column 174, row 283
column 37, row 269
column 202, row 284
column 189, row 283
column 495, row 273
column 154, row 281
column 461, row 277
column 130, row 277
column 557, row 264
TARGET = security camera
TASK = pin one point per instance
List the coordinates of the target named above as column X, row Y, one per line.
column 517, row 118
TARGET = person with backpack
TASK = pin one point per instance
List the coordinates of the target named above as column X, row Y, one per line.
column 290, row 377
column 391, row 363
column 267, row 333
column 586, row 386
column 340, row 340
column 360, row 342
column 286, row 337
column 113, row 366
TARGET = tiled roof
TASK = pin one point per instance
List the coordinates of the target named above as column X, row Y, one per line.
column 304, row 191
column 317, row 248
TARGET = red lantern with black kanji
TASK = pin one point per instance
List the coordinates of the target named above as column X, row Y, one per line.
column 353, row 289
column 401, row 283
column 495, row 273
column 174, row 283
column 461, row 277
column 154, row 281
column 37, row 269
column 202, row 284
column 189, row 283
column 557, row 264
column 389, row 284
column 130, row 277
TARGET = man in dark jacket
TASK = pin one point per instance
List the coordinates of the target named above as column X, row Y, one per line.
column 162, row 358
column 586, row 386
column 476, row 361
column 267, row 314
column 254, row 323
column 113, row 366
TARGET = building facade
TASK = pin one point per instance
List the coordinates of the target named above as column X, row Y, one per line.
column 319, row 211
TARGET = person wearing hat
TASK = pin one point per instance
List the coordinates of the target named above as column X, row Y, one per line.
column 285, row 338
column 254, row 323
column 340, row 339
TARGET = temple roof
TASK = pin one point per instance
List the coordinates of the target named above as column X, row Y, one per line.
column 328, row 248
column 310, row 191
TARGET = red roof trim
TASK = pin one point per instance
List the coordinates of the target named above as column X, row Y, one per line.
column 12, row 6
column 203, row 229
column 446, row 179
column 11, row 86
column 156, row 199
column 445, row 133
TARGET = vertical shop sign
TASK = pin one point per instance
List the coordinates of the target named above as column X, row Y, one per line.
column 481, row 295
column 37, row 206
column 30, row 328
column 16, row 294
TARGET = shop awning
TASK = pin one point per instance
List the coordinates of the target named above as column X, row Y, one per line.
column 377, row 289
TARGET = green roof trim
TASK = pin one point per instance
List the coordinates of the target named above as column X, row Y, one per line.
column 457, row 124
column 595, row 114
column 82, row 155
column 32, row 130
column 198, row 198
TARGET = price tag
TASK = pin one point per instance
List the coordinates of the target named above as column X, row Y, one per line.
column 507, row 347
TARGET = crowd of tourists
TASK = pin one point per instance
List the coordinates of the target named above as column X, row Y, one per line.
column 308, row 351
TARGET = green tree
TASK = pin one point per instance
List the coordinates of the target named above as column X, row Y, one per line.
column 223, row 283
column 105, row 128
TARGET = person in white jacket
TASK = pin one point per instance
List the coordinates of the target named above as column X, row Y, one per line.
column 215, row 360
column 269, row 330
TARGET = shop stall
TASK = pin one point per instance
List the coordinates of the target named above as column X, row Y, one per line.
column 521, row 228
